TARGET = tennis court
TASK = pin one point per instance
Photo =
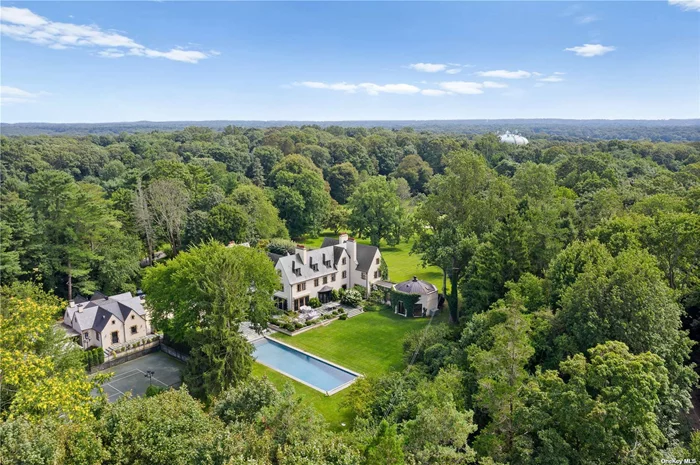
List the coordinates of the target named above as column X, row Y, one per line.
column 133, row 376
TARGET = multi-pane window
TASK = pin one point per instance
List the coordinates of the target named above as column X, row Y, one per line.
column 134, row 330
column 377, row 261
column 333, row 276
column 301, row 287
column 376, row 274
column 344, row 261
column 363, row 276
column 325, row 280
column 345, row 274
column 316, row 282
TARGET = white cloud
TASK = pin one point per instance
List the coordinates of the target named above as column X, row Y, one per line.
column 687, row 5
column 551, row 79
column 453, row 71
column 16, row 95
column 590, row 50
column 22, row 24
column 494, row 85
column 428, row 67
column 111, row 53
column 559, row 73
column 370, row 88
column 435, row 92
column 375, row 89
column 586, row 19
column 503, row 74
column 463, row 87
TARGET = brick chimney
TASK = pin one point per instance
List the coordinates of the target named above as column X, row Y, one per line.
column 301, row 251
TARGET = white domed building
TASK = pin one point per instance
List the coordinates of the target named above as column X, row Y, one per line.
column 510, row 138
column 424, row 298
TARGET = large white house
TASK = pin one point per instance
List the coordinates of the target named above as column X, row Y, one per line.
column 339, row 264
column 106, row 321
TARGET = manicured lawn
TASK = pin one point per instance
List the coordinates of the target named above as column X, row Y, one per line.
column 402, row 265
column 329, row 407
column 370, row 343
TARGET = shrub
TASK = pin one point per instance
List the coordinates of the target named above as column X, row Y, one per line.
column 361, row 289
column 352, row 298
column 376, row 296
column 153, row 390
column 335, row 295
column 101, row 356
column 314, row 302
column 298, row 325
column 309, row 323
column 344, row 316
column 289, row 326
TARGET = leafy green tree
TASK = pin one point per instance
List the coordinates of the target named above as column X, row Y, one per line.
column 245, row 401
column 501, row 258
column 168, row 428
column 300, row 194
column 343, row 180
column 439, row 434
column 319, row 155
column 571, row 262
column 263, row 218
column 377, row 212
column 201, row 297
column 501, row 377
column 42, row 376
column 673, row 238
column 600, row 410
column 268, row 157
column 415, row 171
column 73, row 219
column 463, row 205
column 385, row 448
column 628, row 300
column 226, row 223
column 337, row 218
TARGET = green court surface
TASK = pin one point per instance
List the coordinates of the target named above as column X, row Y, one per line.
column 131, row 376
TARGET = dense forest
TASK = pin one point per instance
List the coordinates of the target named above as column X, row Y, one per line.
column 571, row 270
column 561, row 129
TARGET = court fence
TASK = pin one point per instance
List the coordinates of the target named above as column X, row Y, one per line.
column 112, row 362
column 174, row 353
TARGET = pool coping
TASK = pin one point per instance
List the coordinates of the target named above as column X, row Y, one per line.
column 335, row 365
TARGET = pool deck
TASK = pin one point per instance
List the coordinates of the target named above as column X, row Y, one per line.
column 335, row 365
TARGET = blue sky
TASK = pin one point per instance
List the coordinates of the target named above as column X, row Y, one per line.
column 160, row 61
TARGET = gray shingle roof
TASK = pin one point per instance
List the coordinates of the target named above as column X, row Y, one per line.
column 365, row 253
column 96, row 313
column 305, row 271
column 416, row 286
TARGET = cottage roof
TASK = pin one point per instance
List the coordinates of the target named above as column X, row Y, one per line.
column 97, row 312
column 416, row 286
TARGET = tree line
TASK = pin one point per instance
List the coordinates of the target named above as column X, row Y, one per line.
column 571, row 271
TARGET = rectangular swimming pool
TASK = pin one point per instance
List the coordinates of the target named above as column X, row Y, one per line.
column 303, row 367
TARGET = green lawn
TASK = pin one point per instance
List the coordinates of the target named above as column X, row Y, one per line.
column 328, row 406
column 370, row 343
column 402, row 265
